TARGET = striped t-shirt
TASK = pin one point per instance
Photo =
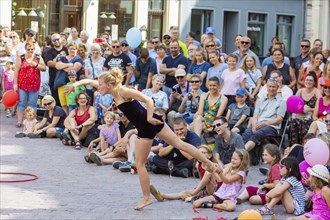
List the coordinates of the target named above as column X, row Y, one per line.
column 298, row 193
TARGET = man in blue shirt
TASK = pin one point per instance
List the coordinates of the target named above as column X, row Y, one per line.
column 244, row 50
column 182, row 161
column 145, row 68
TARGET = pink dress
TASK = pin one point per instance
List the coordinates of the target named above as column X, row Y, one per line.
column 320, row 210
column 230, row 191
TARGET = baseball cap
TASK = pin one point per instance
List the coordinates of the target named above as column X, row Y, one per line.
column 107, row 28
column 9, row 60
column 124, row 42
column 72, row 73
column 180, row 72
column 241, row 92
column 30, row 31
column 210, row 30
column 167, row 34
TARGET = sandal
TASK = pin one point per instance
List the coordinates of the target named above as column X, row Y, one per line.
column 95, row 158
column 208, row 204
column 156, row 193
column 266, row 211
column 18, row 125
column 78, row 145
column 68, row 142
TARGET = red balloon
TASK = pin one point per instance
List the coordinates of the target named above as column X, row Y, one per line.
column 10, row 98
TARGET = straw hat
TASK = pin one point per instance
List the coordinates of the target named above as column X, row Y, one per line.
column 319, row 171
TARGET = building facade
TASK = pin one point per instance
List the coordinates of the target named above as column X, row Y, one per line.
column 290, row 20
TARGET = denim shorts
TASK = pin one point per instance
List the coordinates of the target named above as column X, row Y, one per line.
column 59, row 130
column 27, row 99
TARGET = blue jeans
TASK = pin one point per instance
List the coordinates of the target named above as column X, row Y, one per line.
column 257, row 136
column 27, row 99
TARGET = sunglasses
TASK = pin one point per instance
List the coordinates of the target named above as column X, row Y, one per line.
column 304, row 46
column 57, row 39
column 107, row 49
column 48, row 104
column 115, row 46
column 327, row 121
column 196, row 81
column 124, row 45
column 326, row 87
column 245, row 42
column 166, row 38
column 179, row 77
column 217, row 125
column 11, row 37
column 210, row 45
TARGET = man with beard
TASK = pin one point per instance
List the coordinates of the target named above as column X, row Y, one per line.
column 51, row 60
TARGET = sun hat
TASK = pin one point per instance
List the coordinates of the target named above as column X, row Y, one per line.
column 180, row 72
column 167, row 34
column 319, row 171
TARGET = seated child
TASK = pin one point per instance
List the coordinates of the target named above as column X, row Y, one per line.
column 29, row 122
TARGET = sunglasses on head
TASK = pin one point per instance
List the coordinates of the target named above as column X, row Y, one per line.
column 273, row 79
column 57, row 39
column 48, row 104
column 245, row 42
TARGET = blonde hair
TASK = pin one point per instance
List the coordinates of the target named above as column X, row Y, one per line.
column 47, row 99
column 244, row 156
column 244, row 66
column 29, row 110
column 114, row 76
column 111, row 114
column 203, row 53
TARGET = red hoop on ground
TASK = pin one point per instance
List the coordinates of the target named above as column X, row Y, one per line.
column 18, row 181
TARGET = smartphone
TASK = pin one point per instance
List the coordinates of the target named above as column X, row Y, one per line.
column 98, row 40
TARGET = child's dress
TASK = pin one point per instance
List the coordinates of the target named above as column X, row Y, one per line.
column 320, row 210
column 110, row 134
column 298, row 194
column 8, row 77
column 230, row 191
column 29, row 125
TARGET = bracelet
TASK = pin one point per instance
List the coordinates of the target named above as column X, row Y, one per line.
column 37, row 65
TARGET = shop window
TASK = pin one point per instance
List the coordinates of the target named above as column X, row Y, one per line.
column 116, row 12
column 155, row 18
column 284, row 31
column 256, row 32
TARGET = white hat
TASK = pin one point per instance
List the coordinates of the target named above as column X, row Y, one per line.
column 180, row 72
column 107, row 28
column 319, row 171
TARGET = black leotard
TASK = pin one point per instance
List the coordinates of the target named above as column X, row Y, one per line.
column 137, row 114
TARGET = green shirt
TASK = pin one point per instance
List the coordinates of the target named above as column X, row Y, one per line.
column 72, row 95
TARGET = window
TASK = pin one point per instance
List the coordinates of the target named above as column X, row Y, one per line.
column 119, row 12
column 256, row 31
column 200, row 20
column 155, row 18
column 284, row 31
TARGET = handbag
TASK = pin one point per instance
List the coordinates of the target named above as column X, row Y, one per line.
column 60, row 78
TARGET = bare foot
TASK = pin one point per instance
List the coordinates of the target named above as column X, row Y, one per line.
column 143, row 203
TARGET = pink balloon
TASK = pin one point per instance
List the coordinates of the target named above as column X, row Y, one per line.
column 316, row 151
column 295, row 104
column 303, row 170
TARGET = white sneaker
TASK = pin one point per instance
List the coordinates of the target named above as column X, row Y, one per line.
column 8, row 113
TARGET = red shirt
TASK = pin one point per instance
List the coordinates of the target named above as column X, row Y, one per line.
column 274, row 173
column 81, row 118
column 28, row 77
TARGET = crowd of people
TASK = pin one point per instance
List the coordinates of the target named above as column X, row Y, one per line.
column 114, row 100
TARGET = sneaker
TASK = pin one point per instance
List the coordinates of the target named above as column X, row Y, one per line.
column 263, row 170
column 95, row 158
column 8, row 113
column 117, row 164
column 59, row 135
column 125, row 167
column 66, row 136
column 184, row 172
column 33, row 135
column 87, row 158
column 20, row 135
column 262, row 182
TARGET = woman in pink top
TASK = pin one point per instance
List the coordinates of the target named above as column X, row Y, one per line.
column 233, row 78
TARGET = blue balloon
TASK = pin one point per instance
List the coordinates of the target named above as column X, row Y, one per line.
column 134, row 37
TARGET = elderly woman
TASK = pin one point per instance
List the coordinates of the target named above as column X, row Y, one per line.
column 211, row 105
column 65, row 64
column 300, row 123
column 27, row 80
column 52, row 123
column 94, row 66
column 79, row 121
column 289, row 78
column 159, row 97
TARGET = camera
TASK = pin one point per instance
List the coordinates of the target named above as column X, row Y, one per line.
column 190, row 96
column 193, row 109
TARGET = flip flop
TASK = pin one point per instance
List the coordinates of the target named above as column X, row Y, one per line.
column 95, row 158
column 156, row 193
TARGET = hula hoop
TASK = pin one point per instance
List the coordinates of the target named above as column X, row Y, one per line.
column 18, row 181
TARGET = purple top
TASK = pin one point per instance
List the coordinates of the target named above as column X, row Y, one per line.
column 320, row 207
column 323, row 110
column 110, row 134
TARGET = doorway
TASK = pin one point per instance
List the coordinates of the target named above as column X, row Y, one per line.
column 71, row 12
column 230, row 30
column 200, row 20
